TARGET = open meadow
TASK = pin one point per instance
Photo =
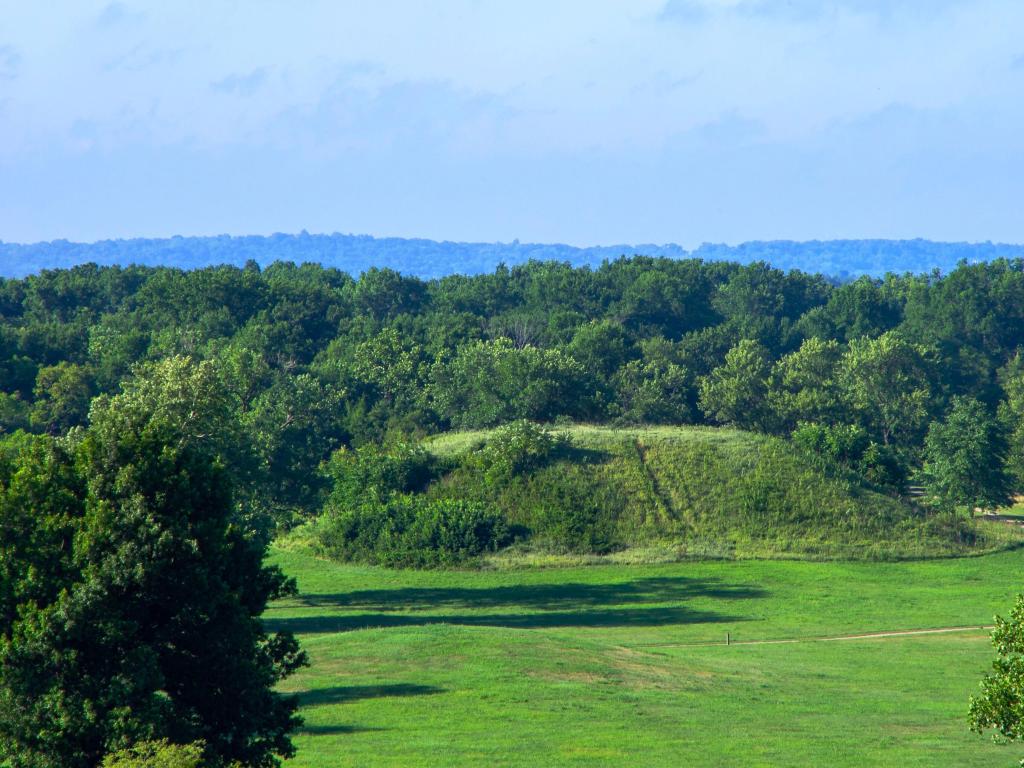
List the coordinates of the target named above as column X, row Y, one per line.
column 627, row 665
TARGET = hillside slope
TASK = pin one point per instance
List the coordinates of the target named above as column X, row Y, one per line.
column 697, row 492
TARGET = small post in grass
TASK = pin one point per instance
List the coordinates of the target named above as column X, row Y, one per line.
column 728, row 639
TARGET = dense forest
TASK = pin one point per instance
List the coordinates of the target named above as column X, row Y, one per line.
column 431, row 259
column 911, row 381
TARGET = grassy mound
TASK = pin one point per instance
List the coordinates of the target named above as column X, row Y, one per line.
column 688, row 491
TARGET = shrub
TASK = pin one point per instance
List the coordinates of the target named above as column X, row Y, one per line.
column 516, row 448
column 412, row 531
column 372, row 474
column 849, row 447
column 157, row 754
column 839, row 444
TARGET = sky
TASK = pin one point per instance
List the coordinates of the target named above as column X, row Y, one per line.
column 578, row 121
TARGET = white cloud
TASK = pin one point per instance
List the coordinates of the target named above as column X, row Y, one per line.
column 578, row 96
column 594, row 74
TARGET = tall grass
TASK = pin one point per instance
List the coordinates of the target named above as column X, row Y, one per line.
column 690, row 491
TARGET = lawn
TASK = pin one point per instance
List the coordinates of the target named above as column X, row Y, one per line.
column 627, row 665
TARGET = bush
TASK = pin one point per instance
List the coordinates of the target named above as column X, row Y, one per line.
column 412, row 531
column 372, row 474
column 516, row 448
column 849, row 447
column 157, row 754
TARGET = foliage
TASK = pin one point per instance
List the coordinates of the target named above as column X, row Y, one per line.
column 655, row 392
column 863, row 307
column 1000, row 706
column 849, row 446
column 62, row 395
column 412, row 531
column 157, row 754
column 137, row 598
column 886, row 381
column 489, row 383
column 600, row 346
column 1011, row 415
column 803, row 386
column 14, row 413
column 515, row 448
column 290, row 426
column 372, row 474
column 389, row 366
column 735, row 393
column 40, row 511
column 964, row 458
column 572, row 518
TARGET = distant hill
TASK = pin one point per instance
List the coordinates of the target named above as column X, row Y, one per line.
column 430, row 258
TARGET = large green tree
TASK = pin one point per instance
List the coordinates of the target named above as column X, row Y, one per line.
column 1000, row 705
column 803, row 386
column 887, row 383
column 965, row 456
column 147, row 622
column 1011, row 414
column 489, row 383
column 62, row 395
column 736, row 392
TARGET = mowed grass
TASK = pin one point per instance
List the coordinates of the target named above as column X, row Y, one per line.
column 603, row 666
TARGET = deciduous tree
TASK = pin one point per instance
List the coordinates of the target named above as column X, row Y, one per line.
column 148, row 625
column 965, row 457
column 735, row 393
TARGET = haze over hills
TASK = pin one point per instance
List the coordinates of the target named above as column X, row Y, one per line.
column 431, row 258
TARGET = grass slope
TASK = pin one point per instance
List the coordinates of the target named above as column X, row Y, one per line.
column 705, row 492
column 590, row 667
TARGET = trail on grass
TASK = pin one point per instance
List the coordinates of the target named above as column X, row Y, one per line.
column 827, row 638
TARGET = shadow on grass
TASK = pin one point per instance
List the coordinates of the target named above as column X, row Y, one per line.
column 576, row 454
column 643, row 602
column 343, row 694
column 542, row 597
column 335, row 730
column 339, row 694
column 640, row 617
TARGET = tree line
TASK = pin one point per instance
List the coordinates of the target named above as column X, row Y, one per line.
column 908, row 380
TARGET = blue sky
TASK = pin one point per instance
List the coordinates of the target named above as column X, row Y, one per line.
column 587, row 122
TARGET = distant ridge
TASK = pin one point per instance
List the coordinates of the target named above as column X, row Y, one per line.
column 430, row 258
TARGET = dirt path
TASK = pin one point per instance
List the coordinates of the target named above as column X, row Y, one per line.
column 826, row 639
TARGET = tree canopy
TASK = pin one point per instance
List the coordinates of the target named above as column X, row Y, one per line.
column 309, row 359
column 132, row 610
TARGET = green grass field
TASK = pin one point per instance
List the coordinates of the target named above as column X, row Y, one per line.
column 603, row 666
